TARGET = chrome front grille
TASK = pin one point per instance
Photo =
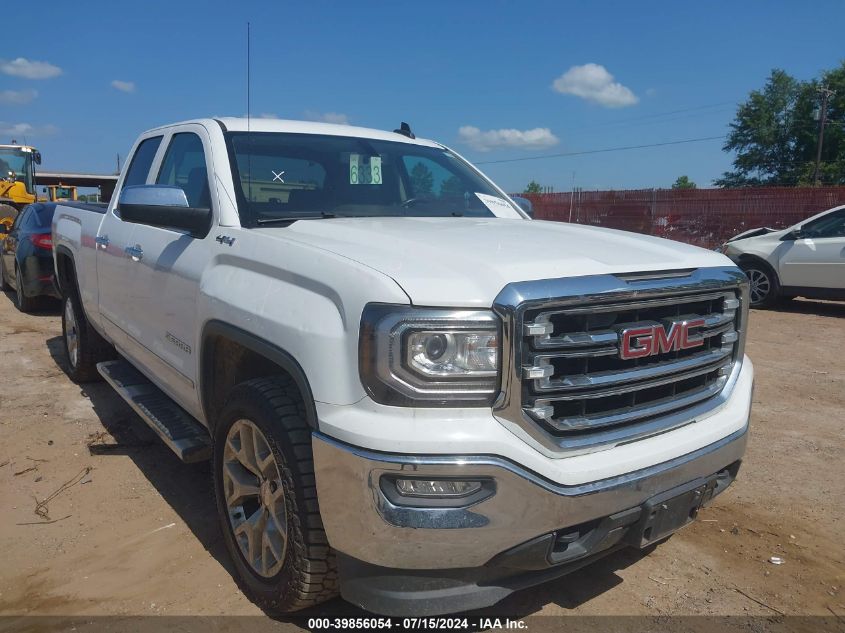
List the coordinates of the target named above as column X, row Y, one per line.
column 567, row 382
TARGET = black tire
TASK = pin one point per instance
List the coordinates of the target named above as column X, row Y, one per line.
column 308, row 572
column 22, row 301
column 8, row 211
column 91, row 347
column 4, row 282
column 765, row 287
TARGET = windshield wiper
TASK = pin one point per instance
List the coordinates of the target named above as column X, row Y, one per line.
column 323, row 215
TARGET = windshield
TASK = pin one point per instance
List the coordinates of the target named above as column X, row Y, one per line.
column 281, row 177
column 15, row 164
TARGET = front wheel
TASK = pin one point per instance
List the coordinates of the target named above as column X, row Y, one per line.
column 764, row 288
column 267, row 499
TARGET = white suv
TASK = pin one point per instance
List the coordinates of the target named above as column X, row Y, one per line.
column 807, row 259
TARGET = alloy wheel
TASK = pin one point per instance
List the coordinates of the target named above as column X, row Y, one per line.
column 761, row 285
column 255, row 498
column 71, row 334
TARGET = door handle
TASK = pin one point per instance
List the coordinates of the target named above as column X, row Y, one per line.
column 134, row 252
column 102, row 241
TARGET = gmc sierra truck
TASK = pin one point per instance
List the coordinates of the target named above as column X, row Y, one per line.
column 412, row 394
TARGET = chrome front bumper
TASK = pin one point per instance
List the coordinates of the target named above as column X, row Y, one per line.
column 362, row 523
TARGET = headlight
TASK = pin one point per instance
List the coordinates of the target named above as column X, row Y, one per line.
column 429, row 357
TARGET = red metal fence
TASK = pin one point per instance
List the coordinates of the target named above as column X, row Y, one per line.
column 705, row 217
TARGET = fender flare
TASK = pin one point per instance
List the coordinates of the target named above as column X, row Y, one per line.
column 65, row 251
column 756, row 259
column 271, row 352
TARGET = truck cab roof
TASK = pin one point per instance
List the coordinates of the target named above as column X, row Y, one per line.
column 290, row 126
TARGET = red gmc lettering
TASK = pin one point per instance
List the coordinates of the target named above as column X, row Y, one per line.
column 634, row 336
column 640, row 342
column 685, row 342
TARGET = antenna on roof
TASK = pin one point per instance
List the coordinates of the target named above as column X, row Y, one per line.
column 248, row 118
column 405, row 130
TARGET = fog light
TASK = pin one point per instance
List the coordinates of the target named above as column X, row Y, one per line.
column 441, row 488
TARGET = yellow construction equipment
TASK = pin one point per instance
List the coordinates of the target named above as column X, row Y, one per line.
column 60, row 193
column 17, row 180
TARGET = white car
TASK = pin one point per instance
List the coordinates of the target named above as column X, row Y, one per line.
column 806, row 259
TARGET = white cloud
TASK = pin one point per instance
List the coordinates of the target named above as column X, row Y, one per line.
column 17, row 97
column 268, row 115
column 593, row 83
column 327, row 117
column 28, row 69
column 20, row 130
column 485, row 140
column 123, row 86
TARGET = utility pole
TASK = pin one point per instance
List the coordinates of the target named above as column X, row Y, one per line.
column 826, row 93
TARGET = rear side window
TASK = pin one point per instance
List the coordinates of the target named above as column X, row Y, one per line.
column 30, row 219
column 21, row 219
column 141, row 162
column 42, row 216
column 184, row 166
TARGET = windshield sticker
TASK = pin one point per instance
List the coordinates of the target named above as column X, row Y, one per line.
column 495, row 204
column 364, row 170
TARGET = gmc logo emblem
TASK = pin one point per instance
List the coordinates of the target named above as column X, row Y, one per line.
column 648, row 340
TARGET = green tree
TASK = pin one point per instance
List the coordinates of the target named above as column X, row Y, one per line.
column 533, row 187
column 422, row 180
column 452, row 186
column 683, row 182
column 775, row 132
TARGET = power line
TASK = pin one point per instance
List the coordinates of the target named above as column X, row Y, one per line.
column 601, row 151
column 658, row 115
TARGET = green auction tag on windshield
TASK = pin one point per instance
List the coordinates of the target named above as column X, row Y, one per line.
column 364, row 170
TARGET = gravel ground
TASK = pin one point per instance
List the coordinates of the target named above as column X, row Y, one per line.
column 137, row 535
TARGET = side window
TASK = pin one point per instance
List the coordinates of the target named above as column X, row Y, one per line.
column 184, row 166
column 832, row 225
column 142, row 160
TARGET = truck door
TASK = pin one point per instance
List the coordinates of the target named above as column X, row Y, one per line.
column 163, row 304
column 817, row 260
column 115, row 267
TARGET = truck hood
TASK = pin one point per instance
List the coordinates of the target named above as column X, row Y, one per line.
column 467, row 261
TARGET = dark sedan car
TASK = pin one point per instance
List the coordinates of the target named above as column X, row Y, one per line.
column 26, row 256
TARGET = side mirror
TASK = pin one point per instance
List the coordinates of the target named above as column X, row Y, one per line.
column 524, row 204
column 164, row 206
column 794, row 234
column 36, row 156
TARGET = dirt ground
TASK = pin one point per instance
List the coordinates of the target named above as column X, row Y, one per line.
column 137, row 533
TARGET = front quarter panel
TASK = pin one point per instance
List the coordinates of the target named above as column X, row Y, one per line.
column 300, row 299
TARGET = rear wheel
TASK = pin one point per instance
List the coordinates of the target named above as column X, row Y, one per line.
column 24, row 303
column 267, row 499
column 83, row 345
column 764, row 288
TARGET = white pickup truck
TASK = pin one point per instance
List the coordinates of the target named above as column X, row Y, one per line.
column 411, row 393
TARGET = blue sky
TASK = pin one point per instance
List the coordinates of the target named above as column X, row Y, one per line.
column 495, row 80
